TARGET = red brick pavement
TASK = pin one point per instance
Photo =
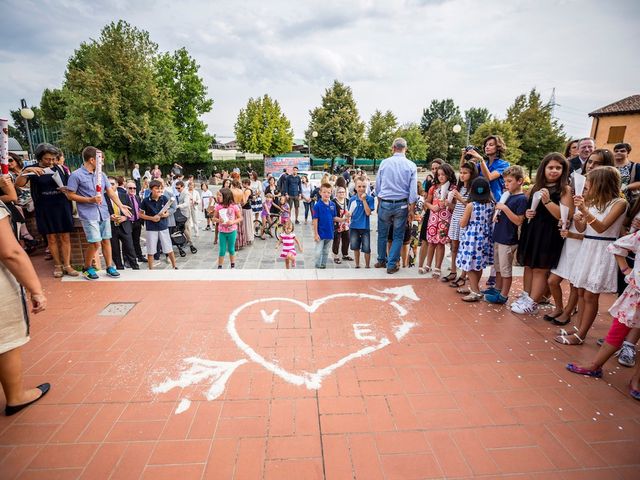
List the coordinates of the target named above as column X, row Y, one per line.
column 472, row 391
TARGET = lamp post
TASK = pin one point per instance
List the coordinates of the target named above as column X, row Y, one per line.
column 314, row 134
column 27, row 114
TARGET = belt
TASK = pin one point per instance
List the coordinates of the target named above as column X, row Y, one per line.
column 402, row 200
column 606, row 239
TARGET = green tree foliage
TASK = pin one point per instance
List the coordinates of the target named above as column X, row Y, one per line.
column 261, row 127
column 505, row 130
column 438, row 141
column 19, row 130
column 445, row 110
column 114, row 101
column 538, row 132
column 337, row 121
column 474, row 117
column 178, row 74
column 417, row 147
column 380, row 135
column 53, row 106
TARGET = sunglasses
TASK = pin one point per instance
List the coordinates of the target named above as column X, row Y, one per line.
column 131, row 188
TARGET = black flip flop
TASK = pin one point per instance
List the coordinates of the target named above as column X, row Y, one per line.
column 549, row 318
column 556, row 322
column 13, row 409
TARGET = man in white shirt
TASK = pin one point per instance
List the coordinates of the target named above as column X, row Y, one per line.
column 135, row 174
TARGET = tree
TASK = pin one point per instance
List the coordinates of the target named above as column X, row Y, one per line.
column 538, row 132
column 437, row 140
column 380, row 134
column 114, row 101
column 337, row 121
column 506, row 131
column 19, row 130
column 445, row 110
column 416, row 143
column 178, row 74
column 474, row 117
column 261, row 127
column 53, row 106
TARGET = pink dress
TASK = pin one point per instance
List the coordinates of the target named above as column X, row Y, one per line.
column 438, row 226
column 627, row 307
column 288, row 244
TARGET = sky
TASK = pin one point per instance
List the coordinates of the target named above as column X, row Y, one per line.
column 395, row 55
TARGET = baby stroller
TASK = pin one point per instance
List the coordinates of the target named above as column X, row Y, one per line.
column 178, row 238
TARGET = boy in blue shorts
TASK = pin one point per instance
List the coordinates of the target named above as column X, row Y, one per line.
column 93, row 212
column 360, row 230
column 324, row 214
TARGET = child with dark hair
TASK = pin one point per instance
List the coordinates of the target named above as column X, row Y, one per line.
column 476, row 243
column 439, row 218
column 156, row 224
column 227, row 215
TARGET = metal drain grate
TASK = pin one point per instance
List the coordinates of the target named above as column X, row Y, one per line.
column 117, row 309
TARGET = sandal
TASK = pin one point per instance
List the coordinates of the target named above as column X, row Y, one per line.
column 597, row 373
column 69, row 270
column 436, row 273
column 563, row 339
column 550, row 318
column 337, row 260
column 57, row 271
column 560, row 323
column 463, row 290
column 424, row 270
column 562, row 331
column 472, row 296
column 450, row 277
column 458, row 282
column 633, row 392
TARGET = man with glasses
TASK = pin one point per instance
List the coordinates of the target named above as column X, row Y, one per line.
column 136, row 221
column 121, row 229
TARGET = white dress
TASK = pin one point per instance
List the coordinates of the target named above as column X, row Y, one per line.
column 568, row 256
column 595, row 269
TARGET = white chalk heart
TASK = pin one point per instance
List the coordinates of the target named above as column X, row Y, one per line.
column 313, row 380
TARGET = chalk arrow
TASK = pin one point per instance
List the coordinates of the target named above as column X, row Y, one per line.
column 269, row 318
column 399, row 293
column 216, row 372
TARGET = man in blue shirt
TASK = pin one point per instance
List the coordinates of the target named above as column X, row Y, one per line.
column 397, row 192
column 294, row 191
column 360, row 206
column 492, row 168
column 93, row 211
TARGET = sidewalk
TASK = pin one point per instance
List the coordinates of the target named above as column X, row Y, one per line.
column 206, row 380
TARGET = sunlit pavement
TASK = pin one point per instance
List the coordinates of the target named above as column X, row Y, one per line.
column 350, row 377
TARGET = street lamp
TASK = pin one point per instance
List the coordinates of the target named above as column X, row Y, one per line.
column 27, row 114
column 314, row 134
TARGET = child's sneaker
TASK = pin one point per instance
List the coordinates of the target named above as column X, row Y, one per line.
column 527, row 305
column 627, row 355
column 490, row 291
column 496, row 298
column 112, row 272
column 90, row 273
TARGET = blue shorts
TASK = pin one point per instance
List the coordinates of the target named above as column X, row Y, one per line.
column 96, row 230
column 360, row 239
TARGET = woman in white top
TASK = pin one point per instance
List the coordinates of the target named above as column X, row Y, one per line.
column 194, row 205
column 306, row 197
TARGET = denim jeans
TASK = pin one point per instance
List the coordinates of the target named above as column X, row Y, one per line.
column 308, row 207
column 360, row 239
column 322, row 251
column 395, row 214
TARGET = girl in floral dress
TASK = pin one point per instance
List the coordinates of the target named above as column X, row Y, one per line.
column 476, row 241
column 625, row 312
column 439, row 217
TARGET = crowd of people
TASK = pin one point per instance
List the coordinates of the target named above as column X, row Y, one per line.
column 577, row 222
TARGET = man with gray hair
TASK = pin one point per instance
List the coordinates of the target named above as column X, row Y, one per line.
column 585, row 149
column 397, row 191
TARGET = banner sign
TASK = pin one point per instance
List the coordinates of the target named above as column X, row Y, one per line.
column 276, row 164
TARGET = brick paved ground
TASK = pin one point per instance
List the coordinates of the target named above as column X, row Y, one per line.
column 471, row 391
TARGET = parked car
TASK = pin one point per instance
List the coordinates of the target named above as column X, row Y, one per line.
column 314, row 177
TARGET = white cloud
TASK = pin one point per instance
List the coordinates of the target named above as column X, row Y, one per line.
column 395, row 55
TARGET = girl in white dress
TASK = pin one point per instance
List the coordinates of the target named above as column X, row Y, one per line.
column 600, row 214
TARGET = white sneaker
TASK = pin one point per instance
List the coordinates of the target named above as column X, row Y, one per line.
column 521, row 298
column 627, row 355
column 526, row 306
